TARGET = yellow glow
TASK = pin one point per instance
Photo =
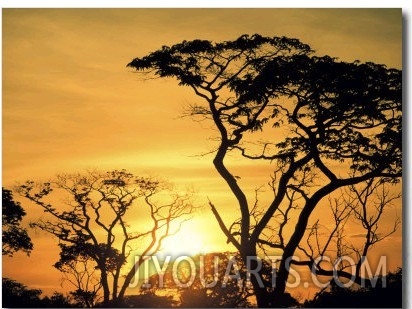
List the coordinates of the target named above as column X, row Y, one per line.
column 186, row 243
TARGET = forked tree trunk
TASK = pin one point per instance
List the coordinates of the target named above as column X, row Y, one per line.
column 264, row 297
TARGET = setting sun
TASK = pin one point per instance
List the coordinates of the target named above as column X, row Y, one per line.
column 183, row 243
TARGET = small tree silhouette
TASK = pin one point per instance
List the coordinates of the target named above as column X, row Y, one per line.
column 78, row 268
column 91, row 226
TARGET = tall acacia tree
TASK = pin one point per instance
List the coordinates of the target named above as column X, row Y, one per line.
column 92, row 223
column 326, row 125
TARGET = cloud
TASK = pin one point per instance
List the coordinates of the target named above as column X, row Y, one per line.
column 361, row 235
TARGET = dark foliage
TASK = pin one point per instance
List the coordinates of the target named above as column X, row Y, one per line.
column 149, row 300
column 380, row 296
column 58, row 300
column 14, row 237
column 17, row 295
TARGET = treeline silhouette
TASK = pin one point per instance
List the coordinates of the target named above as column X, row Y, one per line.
column 377, row 297
column 17, row 295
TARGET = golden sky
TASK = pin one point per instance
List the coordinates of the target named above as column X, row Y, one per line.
column 69, row 102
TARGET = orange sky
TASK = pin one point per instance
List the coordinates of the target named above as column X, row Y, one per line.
column 69, row 103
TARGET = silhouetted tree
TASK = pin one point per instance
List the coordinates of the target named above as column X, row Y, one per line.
column 365, row 204
column 327, row 125
column 90, row 223
column 78, row 267
column 14, row 237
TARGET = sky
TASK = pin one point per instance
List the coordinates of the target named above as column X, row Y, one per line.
column 69, row 103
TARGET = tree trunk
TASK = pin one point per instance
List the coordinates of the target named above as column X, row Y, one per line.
column 261, row 294
column 264, row 297
column 277, row 298
column 248, row 251
column 105, row 285
column 128, row 279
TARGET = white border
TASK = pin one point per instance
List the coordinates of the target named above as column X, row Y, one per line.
column 202, row 4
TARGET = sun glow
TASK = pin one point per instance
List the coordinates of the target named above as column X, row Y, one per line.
column 188, row 243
